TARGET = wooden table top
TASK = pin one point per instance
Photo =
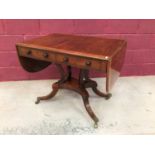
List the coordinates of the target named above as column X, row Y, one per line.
column 87, row 46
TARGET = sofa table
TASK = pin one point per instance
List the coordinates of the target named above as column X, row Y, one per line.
column 83, row 52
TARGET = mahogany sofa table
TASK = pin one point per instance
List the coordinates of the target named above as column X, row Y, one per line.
column 83, row 52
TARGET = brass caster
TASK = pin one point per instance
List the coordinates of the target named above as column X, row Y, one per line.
column 37, row 101
column 96, row 125
column 108, row 96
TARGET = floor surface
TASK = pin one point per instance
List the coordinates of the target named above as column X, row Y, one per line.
column 131, row 110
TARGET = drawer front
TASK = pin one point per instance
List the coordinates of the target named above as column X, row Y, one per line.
column 80, row 62
column 36, row 54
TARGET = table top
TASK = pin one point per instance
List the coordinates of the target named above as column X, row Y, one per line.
column 87, row 46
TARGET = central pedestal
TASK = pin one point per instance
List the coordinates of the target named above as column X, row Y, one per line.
column 77, row 85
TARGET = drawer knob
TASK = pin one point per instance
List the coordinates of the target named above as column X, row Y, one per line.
column 65, row 59
column 29, row 52
column 88, row 63
column 45, row 55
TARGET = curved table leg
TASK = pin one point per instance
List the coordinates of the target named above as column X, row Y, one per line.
column 50, row 95
column 90, row 111
column 63, row 78
column 98, row 92
column 93, row 85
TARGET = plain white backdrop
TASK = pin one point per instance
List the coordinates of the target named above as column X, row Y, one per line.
column 77, row 9
column 74, row 9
